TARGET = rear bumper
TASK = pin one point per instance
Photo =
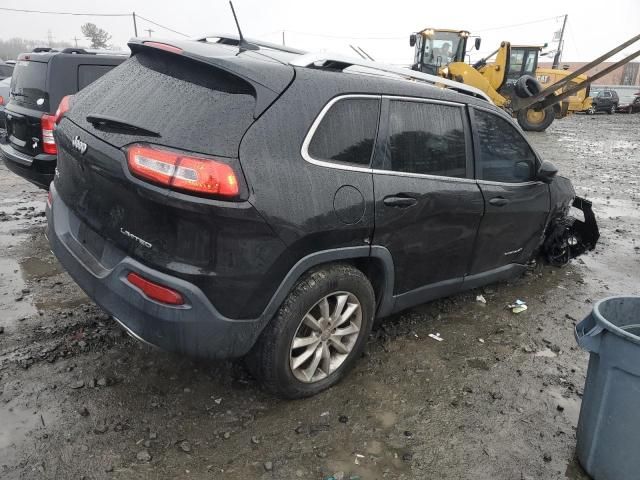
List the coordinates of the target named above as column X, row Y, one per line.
column 195, row 329
column 38, row 170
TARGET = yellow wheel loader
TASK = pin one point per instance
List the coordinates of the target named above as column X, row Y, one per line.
column 509, row 79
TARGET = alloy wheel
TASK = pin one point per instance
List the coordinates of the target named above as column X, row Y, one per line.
column 325, row 337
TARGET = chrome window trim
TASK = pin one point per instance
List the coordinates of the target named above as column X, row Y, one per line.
column 352, row 168
column 509, row 184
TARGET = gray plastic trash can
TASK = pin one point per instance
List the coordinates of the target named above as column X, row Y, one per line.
column 608, row 437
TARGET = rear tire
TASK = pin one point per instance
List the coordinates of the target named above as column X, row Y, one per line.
column 278, row 363
column 612, row 110
column 536, row 121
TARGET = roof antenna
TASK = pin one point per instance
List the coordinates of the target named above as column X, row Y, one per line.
column 242, row 43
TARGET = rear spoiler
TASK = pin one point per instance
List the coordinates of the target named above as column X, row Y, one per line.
column 268, row 78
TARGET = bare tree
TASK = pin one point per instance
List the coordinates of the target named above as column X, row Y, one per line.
column 98, row 36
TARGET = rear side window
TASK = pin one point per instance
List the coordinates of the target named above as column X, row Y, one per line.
column 90, row 73
column 191, row 105
column 28, row 85
column 427, row 138
column 347, row 132
column 6, row 70
column 505, row 156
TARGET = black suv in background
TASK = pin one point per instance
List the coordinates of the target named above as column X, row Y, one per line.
column 40, row 81
column 224, row 202
column 605, row 100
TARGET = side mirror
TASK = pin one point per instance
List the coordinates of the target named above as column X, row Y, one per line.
column 412, row 40
column 478, row 42
column 546, row 172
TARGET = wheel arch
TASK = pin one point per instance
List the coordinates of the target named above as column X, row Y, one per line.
column 374, row 261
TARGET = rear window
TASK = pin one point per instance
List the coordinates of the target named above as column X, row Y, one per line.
column 347, row 132
column 193, row 106
column 28, row 85
column 88, row 74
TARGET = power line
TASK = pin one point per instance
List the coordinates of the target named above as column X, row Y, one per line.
column 161, row 26
column 22, row 10
column 47, row 12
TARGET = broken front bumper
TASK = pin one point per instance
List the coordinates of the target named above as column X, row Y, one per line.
column 567, row 237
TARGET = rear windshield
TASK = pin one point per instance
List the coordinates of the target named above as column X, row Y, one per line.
column 28, row 85
column 193, row 106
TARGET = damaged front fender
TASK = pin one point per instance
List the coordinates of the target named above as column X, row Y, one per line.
column 566, row 237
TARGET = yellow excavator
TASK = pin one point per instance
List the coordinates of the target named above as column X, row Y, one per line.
column 509, row 78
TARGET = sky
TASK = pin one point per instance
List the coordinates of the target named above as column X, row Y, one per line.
column 381, row 28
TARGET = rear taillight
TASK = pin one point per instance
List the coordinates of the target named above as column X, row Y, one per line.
column 1, row 100
column 48, row 122
column 63, row 108
column 49, row 198
column 155, row 291
column 182, row 172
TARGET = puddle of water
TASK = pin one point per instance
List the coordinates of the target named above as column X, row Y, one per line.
column 36, row 267
column 11, row 285
column 575, row 472
column 570, row 405
column 17, row 423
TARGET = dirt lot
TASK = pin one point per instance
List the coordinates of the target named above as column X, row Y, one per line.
column 497, row 399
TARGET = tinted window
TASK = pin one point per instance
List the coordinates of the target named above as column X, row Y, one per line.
column 504, row 155
column 426, row 138
column 347, row 132
column 6, row 70
column 28, row 85
column 193, row 106
column 90, row 73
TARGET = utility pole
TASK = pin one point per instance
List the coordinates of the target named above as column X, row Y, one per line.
column 283, row 44
column 50, row 37
column 76, row 40
column 135, row 25
column 558, row 55
column 149, row 30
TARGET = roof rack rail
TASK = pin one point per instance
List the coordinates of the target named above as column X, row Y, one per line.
column 320, row 60
column 43, row 49
column 76, row 50
column 235, row 40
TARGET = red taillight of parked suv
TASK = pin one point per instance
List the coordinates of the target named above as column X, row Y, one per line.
column 182, row 172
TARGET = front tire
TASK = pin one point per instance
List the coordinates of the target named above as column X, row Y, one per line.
column 536, row 120
column 612, row 110
column 317, row 335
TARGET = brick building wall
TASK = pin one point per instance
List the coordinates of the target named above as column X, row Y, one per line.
column 628, row 74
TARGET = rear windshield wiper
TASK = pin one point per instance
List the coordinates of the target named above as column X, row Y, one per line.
column 105, row 121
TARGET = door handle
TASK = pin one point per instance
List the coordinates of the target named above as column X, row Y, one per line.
column 499, row 201
column 399, row 202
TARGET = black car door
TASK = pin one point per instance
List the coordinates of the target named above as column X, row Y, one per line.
column 427, row 205
column 516, row 205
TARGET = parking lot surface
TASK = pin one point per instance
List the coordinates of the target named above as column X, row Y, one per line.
column 497, row 398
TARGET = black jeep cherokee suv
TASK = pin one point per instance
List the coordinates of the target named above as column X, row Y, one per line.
column 40, row 81
column 224, row 203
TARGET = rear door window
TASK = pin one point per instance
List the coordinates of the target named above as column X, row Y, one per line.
column 504, row 155
column 88, row 74
column 347, row 132
column 427, row 139
column 6, row 70
column 28, row 85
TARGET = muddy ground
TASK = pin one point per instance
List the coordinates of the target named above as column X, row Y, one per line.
column 497, row 399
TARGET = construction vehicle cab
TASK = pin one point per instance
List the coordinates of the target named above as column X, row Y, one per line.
column 435, row 49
